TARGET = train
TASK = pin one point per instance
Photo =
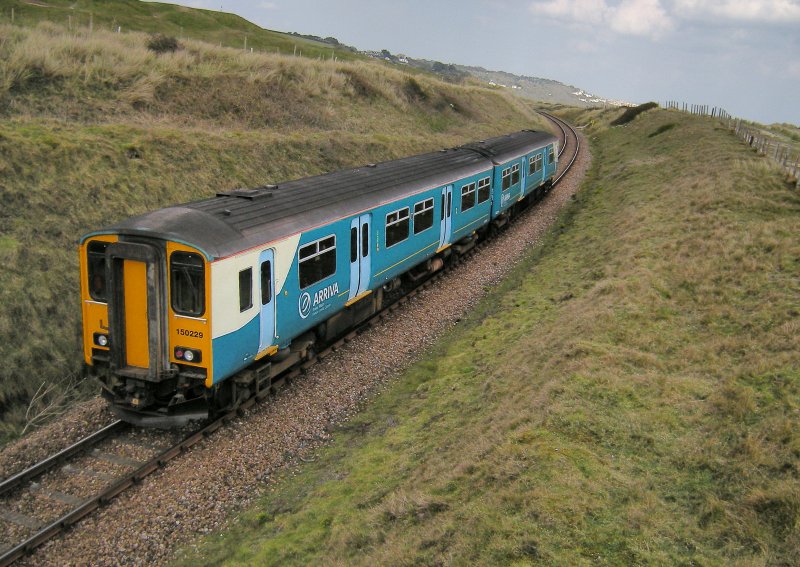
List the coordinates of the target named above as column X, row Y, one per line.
column 191, row 309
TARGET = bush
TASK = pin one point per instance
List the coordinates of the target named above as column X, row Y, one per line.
column 413, row 90
column 161, row 43
column 633, row 112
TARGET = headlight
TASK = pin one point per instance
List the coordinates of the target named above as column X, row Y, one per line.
column 188, row 355
column 100, row 339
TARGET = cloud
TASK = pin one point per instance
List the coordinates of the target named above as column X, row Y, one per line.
column 582, row 11
column 628, row 17
column 752, row 11
column 640, row 17
column 655, row 18
column 204, row 4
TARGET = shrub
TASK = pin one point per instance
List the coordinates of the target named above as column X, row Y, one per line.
column 413, row 90
column 633, row 112
column 161, row 43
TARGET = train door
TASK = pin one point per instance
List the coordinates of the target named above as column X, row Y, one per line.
column 137, row 327
column 360, row 256
column 522, row 177
column 135, row 309
column 446, row 216
column 266, row 262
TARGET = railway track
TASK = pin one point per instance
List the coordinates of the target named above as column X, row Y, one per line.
column 569, row 138
column 46, row 499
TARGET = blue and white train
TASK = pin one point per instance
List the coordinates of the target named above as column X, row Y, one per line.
column 189, row 309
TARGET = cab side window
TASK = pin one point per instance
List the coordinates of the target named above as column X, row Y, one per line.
column 96, row 256
column 187, row 284
column 245, row 289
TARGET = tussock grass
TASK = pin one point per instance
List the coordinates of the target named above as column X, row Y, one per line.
column 97, row 127
column 87, row 76
column 217, row 28
column 629, row 396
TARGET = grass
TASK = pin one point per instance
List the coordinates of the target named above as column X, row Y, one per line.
column 628, row 396
column 95, row 127
column 218, row 28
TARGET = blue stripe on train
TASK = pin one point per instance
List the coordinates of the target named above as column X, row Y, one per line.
column 234, row 351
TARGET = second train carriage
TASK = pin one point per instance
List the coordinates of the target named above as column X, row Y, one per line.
column 189, row 308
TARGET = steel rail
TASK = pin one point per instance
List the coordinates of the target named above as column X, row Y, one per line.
column 154, row 464
column 560, row 127
column 45, row 465
column 560, row 123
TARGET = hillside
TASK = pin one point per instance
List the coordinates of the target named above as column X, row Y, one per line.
column 537, row 88
column 629, row 396
column 219, row 28
column 97, row 127
column 231, row 30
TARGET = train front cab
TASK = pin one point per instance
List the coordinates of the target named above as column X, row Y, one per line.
column 146, row 329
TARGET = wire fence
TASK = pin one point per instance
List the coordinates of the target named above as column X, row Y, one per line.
column 785, row 155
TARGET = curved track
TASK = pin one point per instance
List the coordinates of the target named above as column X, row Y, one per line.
column 569, row 139
column 111, row 446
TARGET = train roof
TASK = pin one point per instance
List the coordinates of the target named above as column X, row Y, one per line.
column 505, row 148
column 240, row 219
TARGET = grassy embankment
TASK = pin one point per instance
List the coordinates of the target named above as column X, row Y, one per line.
column 227, row 30
column 629, row 396
column 95, row 128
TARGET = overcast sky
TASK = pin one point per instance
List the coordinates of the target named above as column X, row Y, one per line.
column 743, row 55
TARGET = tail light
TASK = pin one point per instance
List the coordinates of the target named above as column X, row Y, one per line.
column 188, row 355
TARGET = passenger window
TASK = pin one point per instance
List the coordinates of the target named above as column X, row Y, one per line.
column 423, row 215
column 515, row 174
column 396, row 227
column 245, row 289
column 467, row 197
column 506, row 176
column 536, row 164
column 484, row 189
column 187, row 284
column 266, row 282
column 551, row 155
column 96, row 262
column 317, row 261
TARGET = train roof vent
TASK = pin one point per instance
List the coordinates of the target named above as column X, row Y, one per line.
column 372, row 165
column 250, row 194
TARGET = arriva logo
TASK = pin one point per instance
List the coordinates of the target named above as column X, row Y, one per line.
column 306, row 303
